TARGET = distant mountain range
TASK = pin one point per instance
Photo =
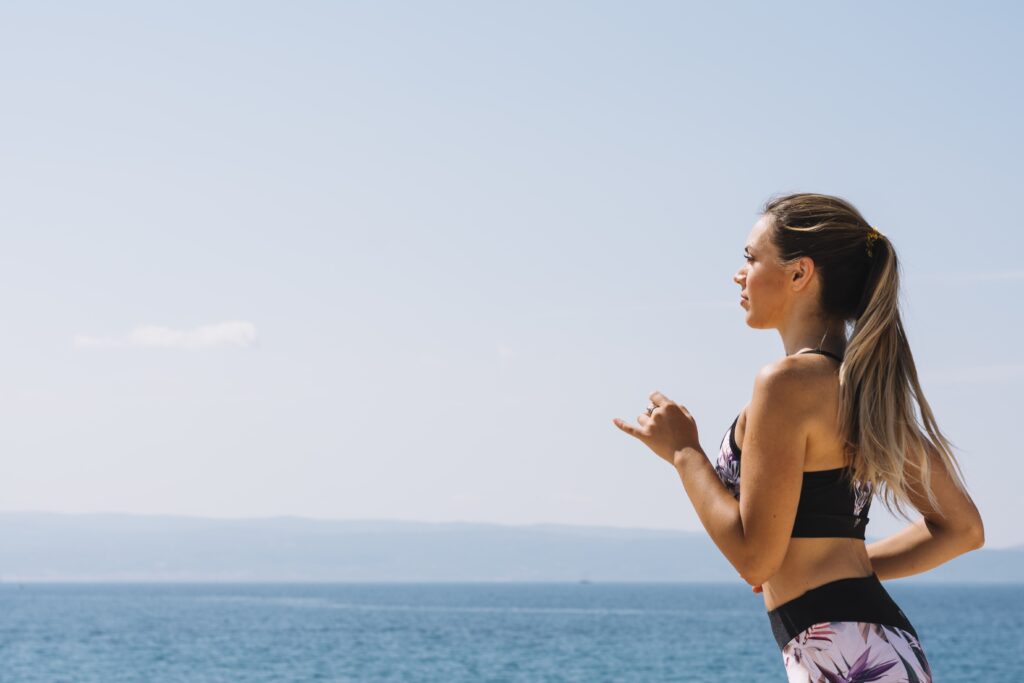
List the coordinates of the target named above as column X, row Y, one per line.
column 112, row 547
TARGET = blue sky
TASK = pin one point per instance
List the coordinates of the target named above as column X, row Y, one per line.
column 407, row 260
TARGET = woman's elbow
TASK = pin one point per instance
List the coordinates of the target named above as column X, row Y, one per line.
column 756, row 573
column 977, row 535
column 757, row 578
column 973, row 532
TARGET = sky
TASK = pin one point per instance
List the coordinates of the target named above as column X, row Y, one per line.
column 407, row 260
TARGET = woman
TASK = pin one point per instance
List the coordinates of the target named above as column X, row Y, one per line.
column 828, row 425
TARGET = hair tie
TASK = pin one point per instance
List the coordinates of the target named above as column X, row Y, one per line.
column 870, row 240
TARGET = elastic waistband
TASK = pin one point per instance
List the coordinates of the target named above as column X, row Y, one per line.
column 859, row 598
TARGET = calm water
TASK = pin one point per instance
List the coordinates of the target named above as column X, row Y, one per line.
column 456, row 632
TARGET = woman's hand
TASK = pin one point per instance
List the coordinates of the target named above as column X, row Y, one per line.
column 669, row 429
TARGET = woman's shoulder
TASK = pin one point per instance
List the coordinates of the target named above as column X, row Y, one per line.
column 803, row 362
column 797, row 386
column 793, row 381
column 799, row 373
column 790, row 373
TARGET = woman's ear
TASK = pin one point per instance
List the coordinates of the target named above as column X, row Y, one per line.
column 803, row 269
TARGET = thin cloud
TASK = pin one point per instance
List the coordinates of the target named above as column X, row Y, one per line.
column 643, row 306
column 689, row 305
column 977, row 276
column 976, row 374
column 230, row 334
column 506, row 352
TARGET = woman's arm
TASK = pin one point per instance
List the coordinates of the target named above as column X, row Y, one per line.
column 717, row 510
column 918, row 548
column 935, row 538
column 753, row 533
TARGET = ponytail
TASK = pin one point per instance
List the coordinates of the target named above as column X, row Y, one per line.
column 878, row 379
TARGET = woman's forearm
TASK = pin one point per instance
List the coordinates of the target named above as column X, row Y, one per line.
column 917, row 548
column 716, row 508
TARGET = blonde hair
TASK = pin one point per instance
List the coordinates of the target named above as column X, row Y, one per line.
column 877, row 378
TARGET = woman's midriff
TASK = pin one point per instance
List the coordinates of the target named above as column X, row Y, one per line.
column 812, row 562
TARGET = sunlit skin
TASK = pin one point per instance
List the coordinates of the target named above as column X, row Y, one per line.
column 788, row 427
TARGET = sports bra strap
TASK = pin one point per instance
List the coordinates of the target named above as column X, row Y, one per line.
column 823, row 352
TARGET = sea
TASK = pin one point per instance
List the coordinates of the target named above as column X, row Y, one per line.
column 455, row 632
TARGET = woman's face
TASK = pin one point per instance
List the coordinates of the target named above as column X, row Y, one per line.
column 762, row 281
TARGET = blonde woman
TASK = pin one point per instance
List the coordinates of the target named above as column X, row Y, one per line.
column 829, row 425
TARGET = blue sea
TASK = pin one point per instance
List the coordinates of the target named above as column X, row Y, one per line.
column 376, row 633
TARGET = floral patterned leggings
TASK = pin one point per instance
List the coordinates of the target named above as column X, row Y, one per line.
column 848, row 631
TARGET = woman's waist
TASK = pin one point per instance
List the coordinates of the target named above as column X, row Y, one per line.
column 811, row 562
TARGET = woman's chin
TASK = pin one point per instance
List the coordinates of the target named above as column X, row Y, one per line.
column 751, row 322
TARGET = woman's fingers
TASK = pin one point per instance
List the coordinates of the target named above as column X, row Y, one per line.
column 628, row 428
column 657, row 398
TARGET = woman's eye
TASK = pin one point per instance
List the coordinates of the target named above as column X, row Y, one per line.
column 748, row 257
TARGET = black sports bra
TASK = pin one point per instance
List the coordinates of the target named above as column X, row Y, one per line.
column 829, row 506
